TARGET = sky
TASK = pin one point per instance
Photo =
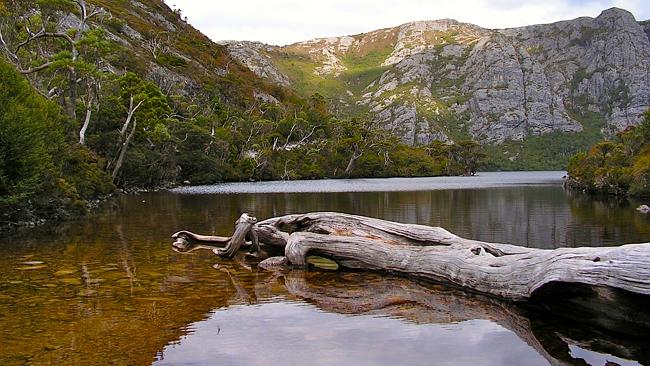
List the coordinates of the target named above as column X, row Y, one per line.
column 281, row 22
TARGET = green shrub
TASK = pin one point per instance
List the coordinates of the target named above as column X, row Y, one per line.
column 170, row 60
column 620, row 167
column 41, row 174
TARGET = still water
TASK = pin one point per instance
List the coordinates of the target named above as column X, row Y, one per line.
column 108, row 289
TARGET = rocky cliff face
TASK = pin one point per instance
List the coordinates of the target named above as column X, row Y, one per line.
column 447, row 80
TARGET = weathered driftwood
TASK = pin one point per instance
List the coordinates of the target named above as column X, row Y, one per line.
column 433, row 253
column 188, row 241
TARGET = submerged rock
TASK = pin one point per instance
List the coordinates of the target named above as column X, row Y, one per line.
column 274, row 262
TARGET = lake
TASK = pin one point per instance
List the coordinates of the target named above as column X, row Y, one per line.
column 109, row 290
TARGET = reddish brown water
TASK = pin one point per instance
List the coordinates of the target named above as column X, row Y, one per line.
column 108, row 290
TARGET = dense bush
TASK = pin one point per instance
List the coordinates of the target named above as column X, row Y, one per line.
column 41, row 174
column 618, row 167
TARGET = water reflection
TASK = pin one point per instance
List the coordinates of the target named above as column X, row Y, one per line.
column 537, row 216
column 292, row 333
column 363, row 318
column 110, row 291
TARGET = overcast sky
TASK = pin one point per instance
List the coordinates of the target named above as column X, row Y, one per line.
column 283, row 22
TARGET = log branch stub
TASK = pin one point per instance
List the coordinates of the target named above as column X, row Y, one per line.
column 188, row 235
column 243, row 227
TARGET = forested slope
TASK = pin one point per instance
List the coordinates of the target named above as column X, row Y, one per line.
column 131, row 96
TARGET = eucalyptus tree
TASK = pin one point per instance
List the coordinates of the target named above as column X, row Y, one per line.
column 60, row 46
column 146, row 114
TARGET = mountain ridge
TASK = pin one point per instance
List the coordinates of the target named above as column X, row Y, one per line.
column 447, row 80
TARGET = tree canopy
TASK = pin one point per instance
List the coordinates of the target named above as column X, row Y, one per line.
column 618, row 167
column 41, row 174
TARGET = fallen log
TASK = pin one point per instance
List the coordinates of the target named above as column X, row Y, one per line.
column 435, row 254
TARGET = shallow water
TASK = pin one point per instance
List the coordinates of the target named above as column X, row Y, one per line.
column 108, row 290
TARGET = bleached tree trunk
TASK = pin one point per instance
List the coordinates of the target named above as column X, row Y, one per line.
column 353, row 159
column 84, row 127
column 156, row 46
column 129, row 115
column 435, row 254
column 121, row 151
column 89, row 112
column 125, row 145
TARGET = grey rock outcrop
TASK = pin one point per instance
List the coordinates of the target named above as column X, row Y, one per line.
column 404, row 121
column 510, row 95
column 601, row 64
column 254, row 56
column 441, row 79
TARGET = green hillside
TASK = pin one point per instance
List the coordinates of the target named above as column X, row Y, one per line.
column 137, row 98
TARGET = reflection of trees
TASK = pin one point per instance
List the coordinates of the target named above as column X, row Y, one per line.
column 126, row 296
column 535, row 216
column 605, row 221
column 532, row 216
